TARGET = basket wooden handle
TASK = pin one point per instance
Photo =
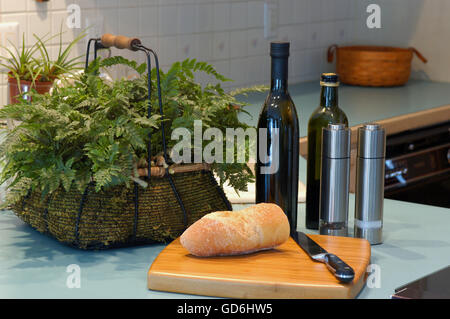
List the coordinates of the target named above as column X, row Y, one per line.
column 157, row 171
column 330, row 53
column 419, row 55
column 120, row 41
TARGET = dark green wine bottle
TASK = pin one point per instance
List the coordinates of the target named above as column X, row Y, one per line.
column 277, row 166
column 327, row 112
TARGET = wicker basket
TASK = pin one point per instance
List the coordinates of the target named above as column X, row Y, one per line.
column 175, row 198
column 373, row 65
column 124, row 216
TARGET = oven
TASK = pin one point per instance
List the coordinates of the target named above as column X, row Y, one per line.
column 417, row 167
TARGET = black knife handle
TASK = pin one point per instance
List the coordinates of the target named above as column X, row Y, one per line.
column 340, row 269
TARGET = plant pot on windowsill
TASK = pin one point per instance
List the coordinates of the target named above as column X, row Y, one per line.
column 26, row 86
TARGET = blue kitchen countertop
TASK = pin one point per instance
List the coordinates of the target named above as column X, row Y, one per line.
column 32, row 265
column 360, row 104
column 416, row 237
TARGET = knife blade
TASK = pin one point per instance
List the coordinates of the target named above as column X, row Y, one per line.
column 337, row 266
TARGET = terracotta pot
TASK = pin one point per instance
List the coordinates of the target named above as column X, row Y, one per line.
column 25, row 86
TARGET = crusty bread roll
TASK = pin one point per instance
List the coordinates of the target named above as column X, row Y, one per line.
column 258, row 227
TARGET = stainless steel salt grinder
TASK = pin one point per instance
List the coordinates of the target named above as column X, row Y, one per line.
column 369, row 192
column 334, row 180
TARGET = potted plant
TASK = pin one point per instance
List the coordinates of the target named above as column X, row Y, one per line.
column 74, row 160
column 27, row 72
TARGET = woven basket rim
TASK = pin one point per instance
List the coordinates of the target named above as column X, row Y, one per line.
column 123, row 216
column 374, row 49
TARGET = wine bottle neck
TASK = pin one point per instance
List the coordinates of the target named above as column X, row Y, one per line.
column 279, row 74
column 329, row 96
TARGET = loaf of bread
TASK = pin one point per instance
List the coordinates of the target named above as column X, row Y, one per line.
column 262, row 226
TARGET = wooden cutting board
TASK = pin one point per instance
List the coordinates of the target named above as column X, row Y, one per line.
column 284, row 272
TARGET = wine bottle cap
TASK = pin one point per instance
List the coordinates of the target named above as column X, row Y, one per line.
column 279, row 49
column 329, row 79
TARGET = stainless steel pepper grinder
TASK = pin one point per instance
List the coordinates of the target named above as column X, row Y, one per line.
column 334, row 180
column 369, row 192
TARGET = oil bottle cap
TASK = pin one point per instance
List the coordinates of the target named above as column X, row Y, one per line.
column 329, row 79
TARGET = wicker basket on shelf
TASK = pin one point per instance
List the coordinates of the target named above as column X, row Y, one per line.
column 373, row 65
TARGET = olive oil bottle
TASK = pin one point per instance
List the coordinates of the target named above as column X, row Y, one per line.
column 328, row 112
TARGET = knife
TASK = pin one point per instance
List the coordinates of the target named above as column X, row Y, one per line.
column 339, row 268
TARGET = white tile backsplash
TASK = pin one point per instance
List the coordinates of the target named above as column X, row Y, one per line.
column 168, row 20
column 286, row 12
column 187, row 46
column 256, row 44
column 223, row 67
column 221, row 16
column 34, row 6
column 342, row 10
column 227, row 33
column 314, row 60
column 39, row 25
column 110, row 18
column 238, row 73
column 314, row 9
column 326, row 36
column 145, row 2
column 300, row 12
column 205, row 47
column 239, row 12
column 106, row 3
column 89, row 4
column 255, row 14
column 63, row 4
column 299, row 38
column 167, row 50
column 314, row 35
column 259, row 70
column 20, row 18
column 166, row 2
column 238, row 44
column 13, row 6
column 129, row 21
column 299, row 62
column 285, row 33
column 221, row 45
column 342, row 32
column 148, row 21
column 58, row 21
column 187, row 19
column 328, row 9
column 204, row 17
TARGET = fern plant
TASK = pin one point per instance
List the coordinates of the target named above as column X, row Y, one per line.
column 96, row 131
